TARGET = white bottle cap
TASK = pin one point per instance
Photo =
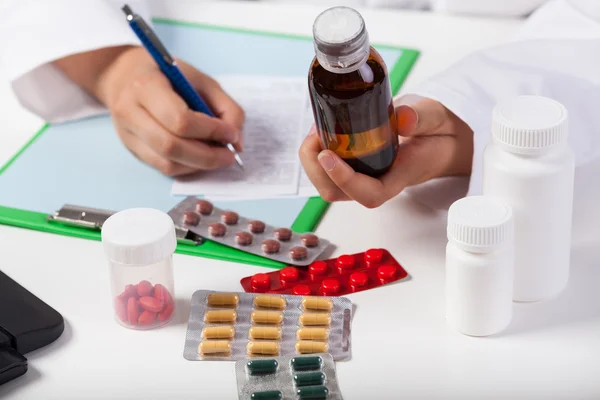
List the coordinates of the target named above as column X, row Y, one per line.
column 341, row 40
column 139, row 236
column 479, row 224
column 529, row 124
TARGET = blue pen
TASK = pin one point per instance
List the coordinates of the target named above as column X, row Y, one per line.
column 169, row 67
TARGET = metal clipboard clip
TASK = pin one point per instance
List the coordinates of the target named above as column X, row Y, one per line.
column 93, row 218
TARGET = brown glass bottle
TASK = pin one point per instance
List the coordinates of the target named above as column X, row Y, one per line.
column 351, row 97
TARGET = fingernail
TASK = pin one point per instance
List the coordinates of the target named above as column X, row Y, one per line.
column 326, row 161
column 407, row 119
column 313, row 130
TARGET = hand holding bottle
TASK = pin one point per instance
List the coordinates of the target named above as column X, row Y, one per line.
column 434, row 142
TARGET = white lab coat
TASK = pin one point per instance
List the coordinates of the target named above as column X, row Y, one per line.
column 557, row 54
column 48, row 30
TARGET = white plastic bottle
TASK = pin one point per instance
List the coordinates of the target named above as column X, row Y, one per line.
column 479, row 266
column 530, row 166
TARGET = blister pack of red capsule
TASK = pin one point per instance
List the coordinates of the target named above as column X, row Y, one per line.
column 250, row 235
column 348, row 273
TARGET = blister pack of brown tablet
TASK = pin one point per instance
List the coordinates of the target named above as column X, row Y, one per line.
column 236, row 325
column 250, row 235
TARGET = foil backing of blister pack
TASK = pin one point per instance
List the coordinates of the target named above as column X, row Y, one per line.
column 202, row 229
column 339, row 343
column 283, row 379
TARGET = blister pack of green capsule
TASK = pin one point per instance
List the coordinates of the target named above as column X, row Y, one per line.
column 289, row 377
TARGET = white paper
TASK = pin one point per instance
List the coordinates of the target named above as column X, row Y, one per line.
column 273, row 131
column 305, row 187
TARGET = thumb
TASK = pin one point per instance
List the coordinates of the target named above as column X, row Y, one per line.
column 425, row 117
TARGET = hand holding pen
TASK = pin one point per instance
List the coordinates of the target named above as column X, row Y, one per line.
column 169, row 67
column 151, row 117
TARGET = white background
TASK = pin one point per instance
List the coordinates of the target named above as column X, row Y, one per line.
column 402, row 347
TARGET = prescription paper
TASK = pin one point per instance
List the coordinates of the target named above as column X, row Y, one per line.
column 305, row 187
column 274, row 128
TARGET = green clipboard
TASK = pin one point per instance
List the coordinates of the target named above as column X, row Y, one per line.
column 18, row 173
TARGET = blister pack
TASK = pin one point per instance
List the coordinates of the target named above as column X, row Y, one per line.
column 288, row 377
column 250, row 235
column 235, row 325
column 348, row 273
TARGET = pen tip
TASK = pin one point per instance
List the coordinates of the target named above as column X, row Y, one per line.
column 238, row 160
column 127, row 10
column 237, row 157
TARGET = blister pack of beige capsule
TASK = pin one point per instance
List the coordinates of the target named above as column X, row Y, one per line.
column 246, row 234
column 228, row 326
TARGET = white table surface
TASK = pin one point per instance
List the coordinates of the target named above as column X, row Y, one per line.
column 402, row 347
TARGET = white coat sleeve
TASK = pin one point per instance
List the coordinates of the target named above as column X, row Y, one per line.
column 556, row 55
column 34, row 33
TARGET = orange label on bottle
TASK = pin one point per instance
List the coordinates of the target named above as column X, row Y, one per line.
column 357, row 145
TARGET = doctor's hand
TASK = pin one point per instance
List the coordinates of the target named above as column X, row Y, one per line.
column 433, row 143
column 153, row 122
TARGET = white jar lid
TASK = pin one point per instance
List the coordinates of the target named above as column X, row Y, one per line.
column 139, row 236
column 480, row 223
column 529, row 124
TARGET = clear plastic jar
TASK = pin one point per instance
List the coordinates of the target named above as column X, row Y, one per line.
column 139, row 245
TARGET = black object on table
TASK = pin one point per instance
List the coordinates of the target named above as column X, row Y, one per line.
column 26, row 324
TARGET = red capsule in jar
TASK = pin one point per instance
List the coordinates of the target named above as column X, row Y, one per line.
column 358, row 280
column 260, row 282
column 373, row 257
column 146, row 318
column 151, row 304
column 301, row 290
column 386, row 273
column 121, row 308
column 133, row 311
column 124, row 297
column 144, row 288
column 330, row 287
column 162, row 294
column 165, row 314
column 288, row 275
column 130, row 290
column 344, row 263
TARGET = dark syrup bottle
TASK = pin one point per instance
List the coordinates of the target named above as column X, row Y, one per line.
column 351, row 94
